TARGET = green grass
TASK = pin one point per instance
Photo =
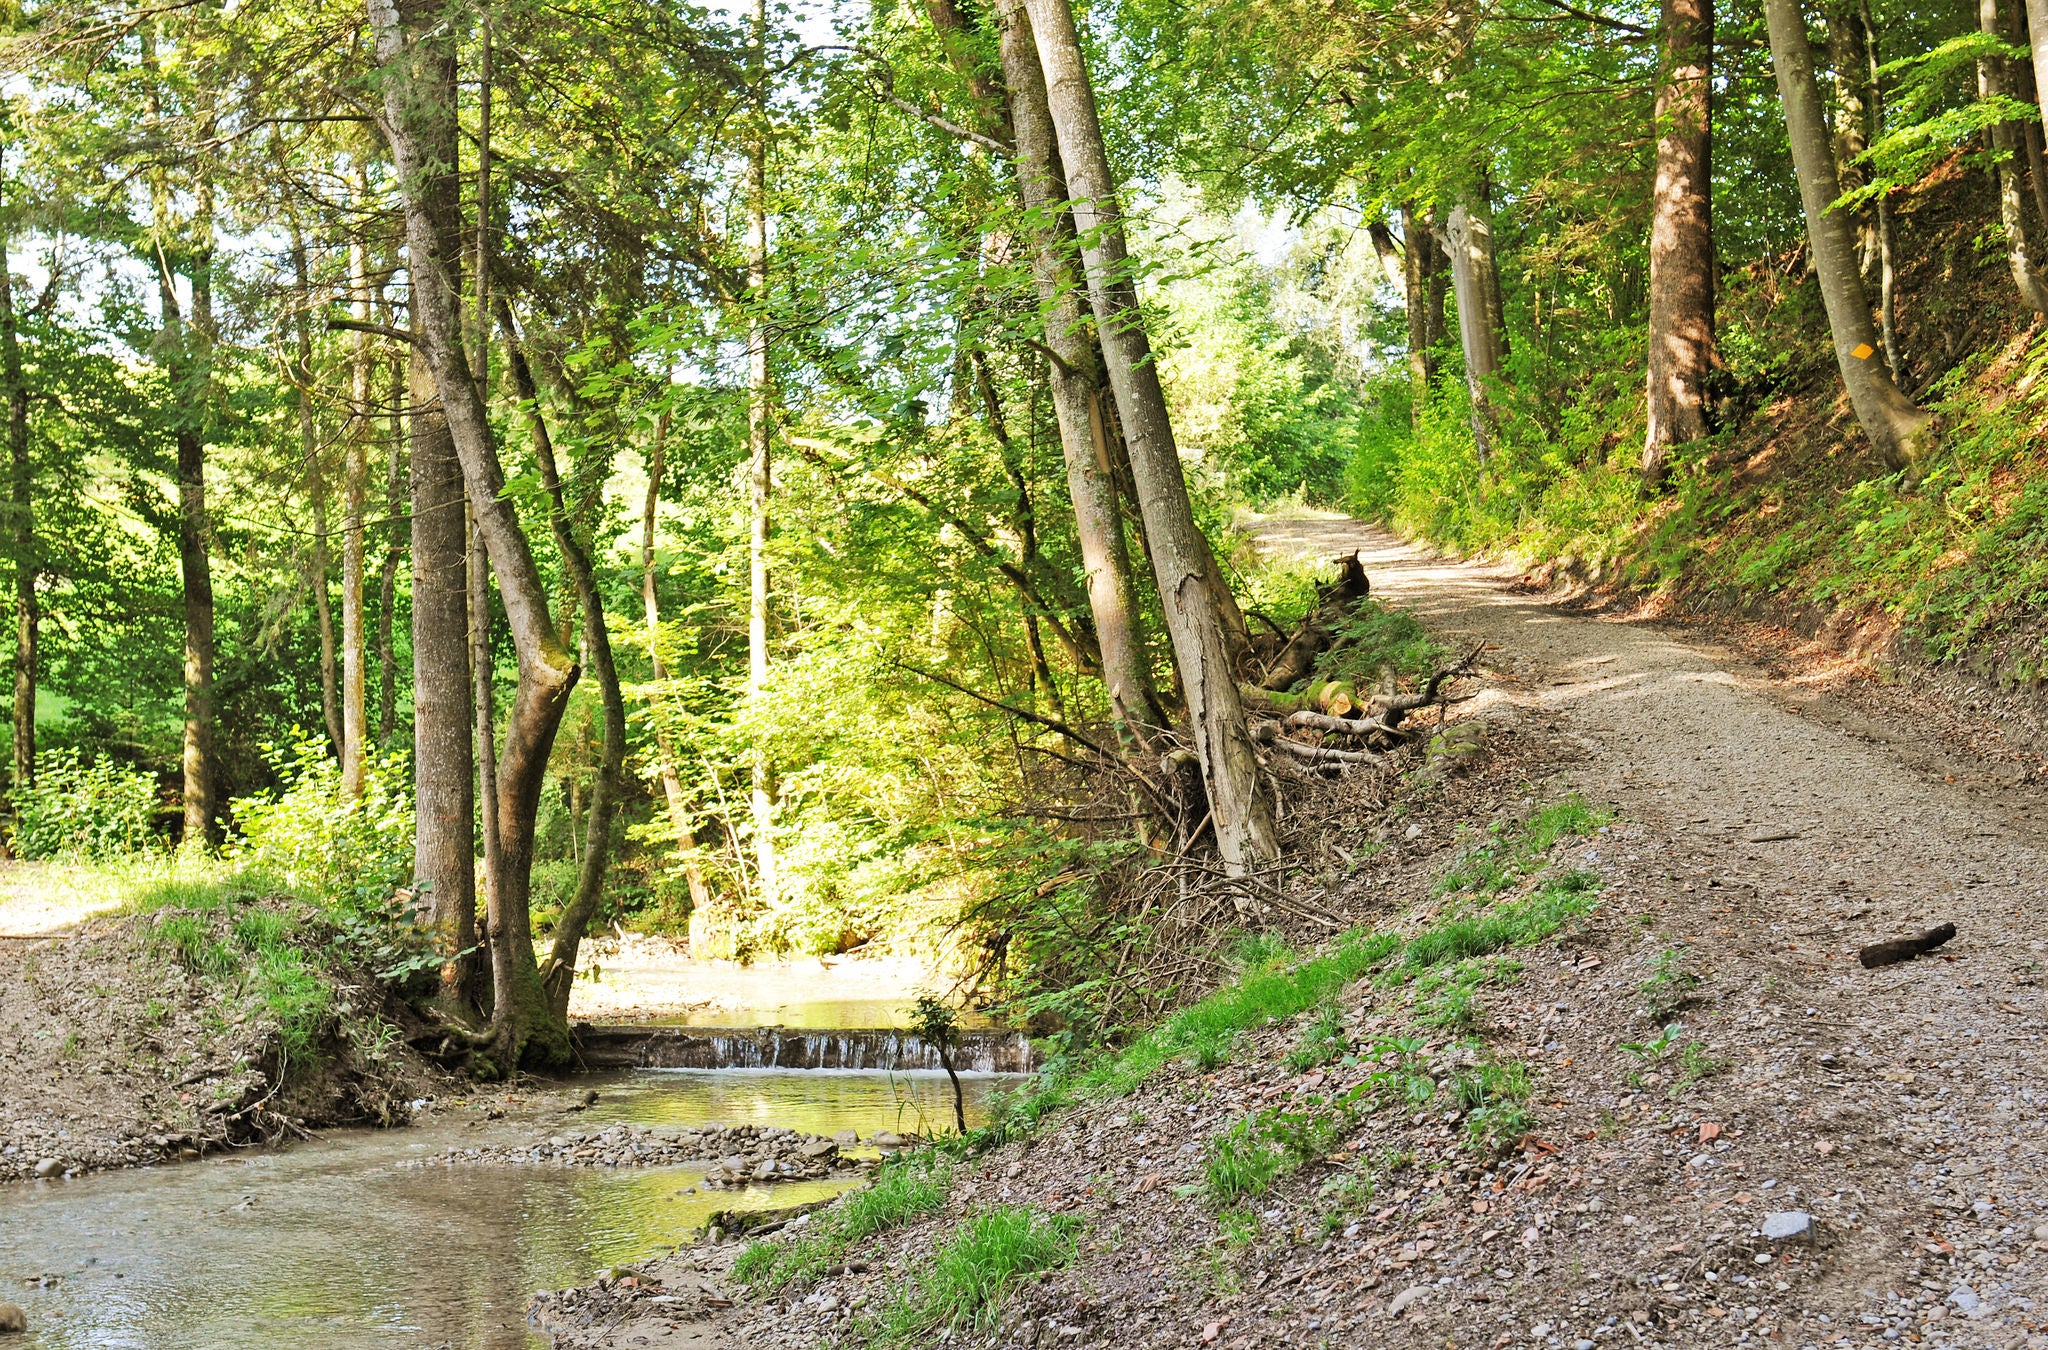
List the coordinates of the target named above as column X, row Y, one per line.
column 1322, row 1042
column 244, row 952
column 1461, row 937
column 906, row 1188
column 973, row 1271
column 1669, row 986
column 1492, row 1097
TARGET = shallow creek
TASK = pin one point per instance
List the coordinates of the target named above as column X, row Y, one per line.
column 331, row 1245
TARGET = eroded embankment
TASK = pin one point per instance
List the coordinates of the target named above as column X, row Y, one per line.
column 133, row 1039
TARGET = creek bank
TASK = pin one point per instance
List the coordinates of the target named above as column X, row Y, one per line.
column 1735, row 1133
column 139, row 1039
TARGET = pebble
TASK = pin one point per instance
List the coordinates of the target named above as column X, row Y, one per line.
column 13, row 1321
column 49, row 1167
column 1402, row 1301
column 1787, row 1224
column 738, row 1153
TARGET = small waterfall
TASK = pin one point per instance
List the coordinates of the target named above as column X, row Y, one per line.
column 631, row 1047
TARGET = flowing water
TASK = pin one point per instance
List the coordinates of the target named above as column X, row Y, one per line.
column 333, row 1246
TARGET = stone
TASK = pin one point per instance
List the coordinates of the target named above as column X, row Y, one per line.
column 13, row 1321
column 2041, row 1233
column 1406, row 1299
column 1964, row 1298
column 819, row 1148
column 846, row 1138
column 886, row 1139
column 49, row 1167
column 1787, row 1224
column 1540, row 1330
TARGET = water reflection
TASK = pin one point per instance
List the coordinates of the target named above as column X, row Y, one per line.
column 330, row 1245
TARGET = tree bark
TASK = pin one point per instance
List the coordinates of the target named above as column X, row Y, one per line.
column 1422, row 288
column 1075, row 379
column 1887, row 283
column 1847, row 44
column 444, row 791
column 1902, row 433
column 1682, row 345
column 1240, row 807
column 316, row 482
column 194, row 374
column 419, row 122
column 355, row 495
column 395, row 491
column 559, row 971
column 1469, row 234
column 2008, row 143
column 22, row 526
column 760, row 462
column 665, row 758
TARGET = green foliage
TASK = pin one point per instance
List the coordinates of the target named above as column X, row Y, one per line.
column 318, row 841
column 83, row 809
column 906, row 1188
column 1375, row 641
column 974, row 1270
column 247, row 947
column 1492, row 1097
column 1669, row 986
column 1247, row 1158
column 1322, row 1042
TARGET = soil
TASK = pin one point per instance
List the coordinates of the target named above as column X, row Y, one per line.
column 114, row 1054
column 1852, row 1157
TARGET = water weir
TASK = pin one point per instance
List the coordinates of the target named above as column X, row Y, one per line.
column 645, row 1047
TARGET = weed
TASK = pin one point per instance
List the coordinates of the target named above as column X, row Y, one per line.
column 1694, row 1064
column 1669, row 987
column 1654, row 1051
column 906, row 1188
column 972, row 1272
column 1322, row 1042
column 1491, row 1096
column 1242, row 1162
column 1455, row 1009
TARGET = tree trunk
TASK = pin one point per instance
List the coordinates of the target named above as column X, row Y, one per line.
column 1682, row 349
column 1469, row 235
column 1074, row 378
column 194, row 374
column 1240, row 807
column 2007, row 143
column 1887, row 295
column 316, row 483
column 1847, row 44
column 355, row 496
column 671, row 780
column 444, row 850
column 760, row 463
column 559, row 971
column 1902, row 433
column 387, row 583
column 419, row 106
column 22, row 523
column 1419, row 262
column 483, row 702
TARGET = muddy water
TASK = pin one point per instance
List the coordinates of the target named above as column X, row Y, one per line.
column 333, row 1246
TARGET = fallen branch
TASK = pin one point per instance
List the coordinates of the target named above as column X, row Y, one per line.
column 1894, row 950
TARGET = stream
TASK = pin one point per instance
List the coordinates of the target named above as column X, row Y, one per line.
column 332, row 1244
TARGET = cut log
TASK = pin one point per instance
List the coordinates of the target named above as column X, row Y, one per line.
column 1894, row 950
column 1296, row 658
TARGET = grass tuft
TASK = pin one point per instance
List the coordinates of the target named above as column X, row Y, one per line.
column 972, row 1273
column 906, row 1188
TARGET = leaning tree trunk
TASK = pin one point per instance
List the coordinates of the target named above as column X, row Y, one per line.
column 1469, row 235
column 1682, row 350
column 2007, row 142
column 444, row 791
column 1903, row 433
column 1074, row 379
column 559, row 970
column 1239, row 803
column 22, row 527
column 417, row 63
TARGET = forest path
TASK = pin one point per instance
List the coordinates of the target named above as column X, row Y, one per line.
column 1786, row 829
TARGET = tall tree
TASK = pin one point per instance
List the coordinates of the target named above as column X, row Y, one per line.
column 760, row 451
column 1902, row 432
column 362, row 429
column 1682, row 343
column 664, row 750
column 14, row 394
column 416, row 69
column 1182, row 563
column 1075, row 376
column 2008, row 144
column 1475, row 281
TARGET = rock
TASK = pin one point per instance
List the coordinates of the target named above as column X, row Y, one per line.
column 1406, row 1299
column 1540, row 1330
column 49, row 1167
column 1414, row 832
column 1965, row 1298
column 2041, row 1233
column 846, row 1138
column 819, row 1148
column 1789, row 1224
column 13, row 1321
column 887, row 1140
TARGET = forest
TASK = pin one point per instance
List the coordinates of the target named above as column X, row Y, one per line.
column 774, row 476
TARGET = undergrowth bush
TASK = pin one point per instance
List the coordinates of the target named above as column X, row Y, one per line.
column 86, row 809
column 316, row 840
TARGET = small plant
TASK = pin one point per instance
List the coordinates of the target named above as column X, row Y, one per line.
column 1654, row 1051
column 1491, row 1095
column 1242, row 1162
column 1455, row 1009
column 938, row 1026
column 1694, row 1064
column 1322, row 1043
column 972, row 1273
column 1669, row 987
column 83, row 809
column 906, row 1188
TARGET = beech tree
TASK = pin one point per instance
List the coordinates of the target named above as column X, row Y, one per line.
column 1902, row 433
column 1682, row 346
